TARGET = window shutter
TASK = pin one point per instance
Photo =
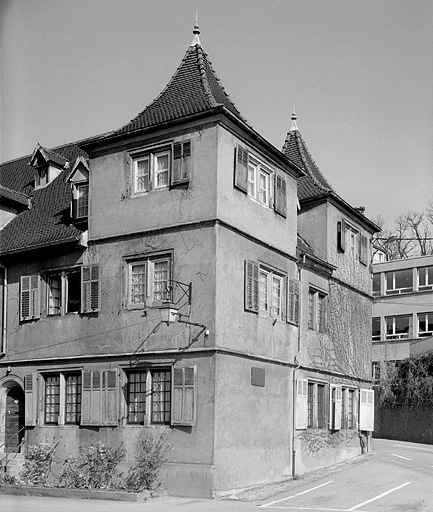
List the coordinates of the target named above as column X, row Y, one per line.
column 293, row 307
column 363, row 249
column 86, row 398
column 335, row 407
column 30, row 390
column 241, row 169
column 341, row 236
column 90, row 289
column 181, row 163
column 280, row 203
column 251, row 286
column 366, row 410
column 109, row 397
column 30, row 297
column 301, row 404
column 184, row 396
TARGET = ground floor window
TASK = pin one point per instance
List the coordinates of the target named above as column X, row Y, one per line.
column 149, row 390
column 317, row 410
column 62, row 406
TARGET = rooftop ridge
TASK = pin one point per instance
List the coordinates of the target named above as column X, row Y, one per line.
column 302, row 150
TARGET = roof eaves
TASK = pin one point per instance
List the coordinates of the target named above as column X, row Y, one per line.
column 64, row 241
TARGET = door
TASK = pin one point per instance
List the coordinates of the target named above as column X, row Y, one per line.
column 14, row 432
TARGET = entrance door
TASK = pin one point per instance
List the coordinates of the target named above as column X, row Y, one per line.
column 14, row 418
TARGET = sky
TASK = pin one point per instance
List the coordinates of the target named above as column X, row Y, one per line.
column 359, row 72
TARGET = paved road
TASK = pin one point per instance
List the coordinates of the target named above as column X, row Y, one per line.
column 396, row 477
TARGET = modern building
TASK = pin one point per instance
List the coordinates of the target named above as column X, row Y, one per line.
column 182, row 276
column 403, row 310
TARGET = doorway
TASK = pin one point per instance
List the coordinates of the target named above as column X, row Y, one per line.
column 14, row 425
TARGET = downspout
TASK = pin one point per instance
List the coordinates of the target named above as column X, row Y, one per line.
column 4, row 302
column 298, row 364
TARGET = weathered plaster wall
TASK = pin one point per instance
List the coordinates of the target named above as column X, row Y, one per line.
column 312, row 225
column 110, row 183
column 236, row 328
column 252, row 424
column 115, row 329
column 242, row 211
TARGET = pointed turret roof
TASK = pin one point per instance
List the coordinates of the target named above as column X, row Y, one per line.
column 314, row 183
column 193, row 89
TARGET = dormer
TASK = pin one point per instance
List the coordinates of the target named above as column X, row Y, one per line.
column 79, row 180
column 48, row 165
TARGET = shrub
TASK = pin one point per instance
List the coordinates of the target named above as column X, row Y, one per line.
column 95, row 469
column 38, row 464
column 145, row 475
column 7, row 479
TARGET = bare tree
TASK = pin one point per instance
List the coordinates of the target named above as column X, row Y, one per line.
column 412, row 235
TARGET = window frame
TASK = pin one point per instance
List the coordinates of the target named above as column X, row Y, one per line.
column 428, row 286
column 394, row 290
column 376, row 337
column 317, row 310
column 148, row 280
column 272, row 277
column 428, row 319
column 59, row 415
column 317, row 405
column 394, row 335
column 260, row 170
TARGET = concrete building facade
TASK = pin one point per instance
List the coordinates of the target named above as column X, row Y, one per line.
column 261, row 371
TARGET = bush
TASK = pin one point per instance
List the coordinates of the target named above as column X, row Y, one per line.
column 38, row 464
column 96, row 469
column 7, row 479
column 145, row 475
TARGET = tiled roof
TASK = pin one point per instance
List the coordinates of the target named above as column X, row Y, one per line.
column 12, row 196
column 314, row 184
column 194, row 88
column 47, row 221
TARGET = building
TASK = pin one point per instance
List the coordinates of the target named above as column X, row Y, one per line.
column 183, row 276
column 403, row 310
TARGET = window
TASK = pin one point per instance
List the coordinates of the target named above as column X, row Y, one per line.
column 258, row 181
column 159, row 398
column 150, row 399
column 425, row 324
column 293, row 302
column 375, row 372
column 82, row 200
column 265, row 291
column 375, row 331
column 148, row 281
column 425, row 279
column 398, row 327
column 317, row 410
column 348, row 408
column 62, row 407
column 316, row 310
column 73, row 290
column 352, row 242
column 399, row 281
column 376, row 284
column 153, row 169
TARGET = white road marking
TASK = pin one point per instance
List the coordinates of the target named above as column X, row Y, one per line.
column 400, row 456
column 412, row 447
column 294, row 495
column 378, row 497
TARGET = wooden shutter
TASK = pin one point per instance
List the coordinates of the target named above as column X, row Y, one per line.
column 90, row 288
column 341, row 236
column 110, row 394
column 241, row 169
column 30, row 297
column 363, row 249
column 30, row 391
column 251, row 292
column 335, row 396
column 301, row 404
column 99, row 397
column 280, row 204
column 184, row 396
column 366, row 410
column 181, row 163
column 293, row 302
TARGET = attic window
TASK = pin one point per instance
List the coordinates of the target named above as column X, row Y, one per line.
column 79, row 179
column 41, row 177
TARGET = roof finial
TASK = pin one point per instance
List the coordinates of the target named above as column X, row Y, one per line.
column 294, row 125
column 196, row 32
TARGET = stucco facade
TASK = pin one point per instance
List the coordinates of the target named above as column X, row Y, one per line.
column 262, row 372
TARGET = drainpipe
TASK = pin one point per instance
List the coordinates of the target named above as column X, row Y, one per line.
column 3, row 312
column 298, row 364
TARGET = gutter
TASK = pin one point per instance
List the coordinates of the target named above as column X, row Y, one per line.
column 4, row 312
